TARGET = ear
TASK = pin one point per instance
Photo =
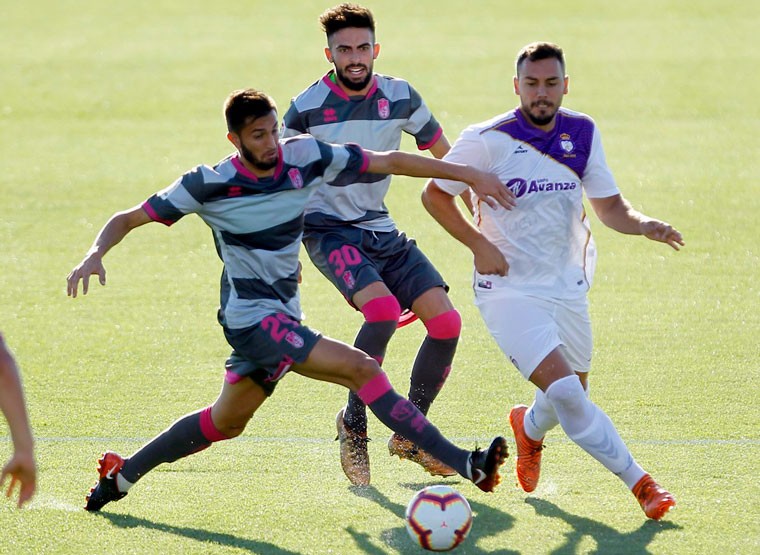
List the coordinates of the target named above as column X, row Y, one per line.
column 516, row 84
column 567, row 85
column 376, row 51
column 234, row 139
column 328, row 54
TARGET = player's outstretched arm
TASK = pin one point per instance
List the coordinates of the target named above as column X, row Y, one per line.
column 117, row 227
column 487, row 186
column 488, row 259
column 617, row 213
column 21, row 467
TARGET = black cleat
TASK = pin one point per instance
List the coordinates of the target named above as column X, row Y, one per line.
column 105, row 491
column 484, row 465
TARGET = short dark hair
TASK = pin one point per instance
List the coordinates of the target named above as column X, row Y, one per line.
column 536, row 51
column 346, row 15
column 243, row 106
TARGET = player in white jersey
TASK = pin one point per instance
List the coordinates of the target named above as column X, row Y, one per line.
column 534, row 264
column 352, row 239
column 253, row 201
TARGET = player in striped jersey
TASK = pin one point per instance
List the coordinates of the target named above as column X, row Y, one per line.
column 534, row 264
column 253, row 201
column 352, row 239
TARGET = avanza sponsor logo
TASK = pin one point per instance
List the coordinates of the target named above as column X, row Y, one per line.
column 521, row 187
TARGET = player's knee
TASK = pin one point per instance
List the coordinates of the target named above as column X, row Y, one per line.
column 365, row 368
column 445, row 326
column 233, row 429
column 567, row 393
column 229, row 423
column 382, row 309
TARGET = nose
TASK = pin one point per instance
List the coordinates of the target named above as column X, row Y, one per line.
column 274, row 139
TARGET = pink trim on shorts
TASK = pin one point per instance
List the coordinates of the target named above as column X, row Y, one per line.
column 208, row 429
column 445, row 326
column 382, row 309
column 282, row 369
column 231, row 378
column 374, row 389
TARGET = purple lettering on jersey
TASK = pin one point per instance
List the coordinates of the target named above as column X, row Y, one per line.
column 329, row 115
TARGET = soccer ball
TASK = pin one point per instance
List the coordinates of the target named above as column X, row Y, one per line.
column 438, row 518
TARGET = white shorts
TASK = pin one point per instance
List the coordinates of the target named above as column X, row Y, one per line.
column 528, row 328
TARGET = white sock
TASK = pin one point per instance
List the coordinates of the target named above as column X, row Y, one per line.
column 591, row 429
column 540, row 417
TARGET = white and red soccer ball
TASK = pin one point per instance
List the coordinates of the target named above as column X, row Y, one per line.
column 438, row 518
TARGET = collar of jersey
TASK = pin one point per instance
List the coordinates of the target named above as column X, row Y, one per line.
column 242, row 170
column 334, row 87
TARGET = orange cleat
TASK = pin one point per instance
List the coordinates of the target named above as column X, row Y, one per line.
column 528, row 466
column 654, row 500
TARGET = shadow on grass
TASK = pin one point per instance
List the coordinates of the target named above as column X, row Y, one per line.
column 488, row 521
column 608, row 540
column 198, row 534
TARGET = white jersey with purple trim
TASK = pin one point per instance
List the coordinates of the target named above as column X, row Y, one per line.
column 258, row 222
column 546, row 239
column 375, row 121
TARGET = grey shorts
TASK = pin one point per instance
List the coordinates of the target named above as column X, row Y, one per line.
column 353, row 258
column 266, row 351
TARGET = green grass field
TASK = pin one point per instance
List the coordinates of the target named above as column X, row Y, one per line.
column 103, row 103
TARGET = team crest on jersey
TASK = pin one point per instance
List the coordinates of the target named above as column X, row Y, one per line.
column 565, row 142
column 295, row 178
column 383, row 108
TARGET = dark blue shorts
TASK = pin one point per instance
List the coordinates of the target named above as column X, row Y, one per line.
column 266, row 351
column 353, row 258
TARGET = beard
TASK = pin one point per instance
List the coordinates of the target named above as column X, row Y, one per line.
column 354, row 85
column 550, row 110
column 255, row 162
